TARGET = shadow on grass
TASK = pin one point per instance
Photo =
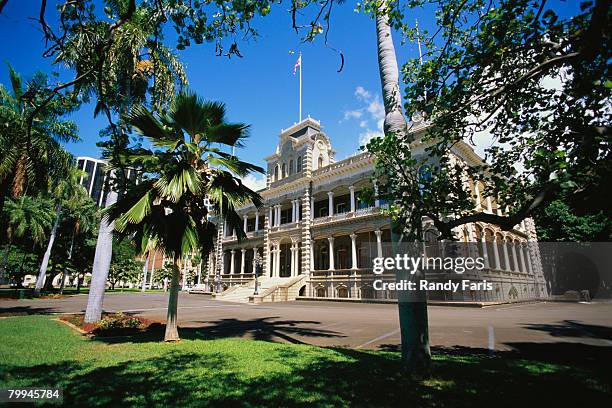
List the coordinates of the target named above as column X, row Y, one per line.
column 265, row 329
column 335, row 377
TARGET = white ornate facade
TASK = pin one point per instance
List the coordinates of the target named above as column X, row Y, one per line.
column 321, row 221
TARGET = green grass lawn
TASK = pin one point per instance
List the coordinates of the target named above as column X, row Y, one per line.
column 36, row 351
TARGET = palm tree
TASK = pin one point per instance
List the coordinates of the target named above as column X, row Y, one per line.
column 64, row 192
column 416, row 355
column 29, row 159
column 29, row 217
column 135, row 68
column 188, row 171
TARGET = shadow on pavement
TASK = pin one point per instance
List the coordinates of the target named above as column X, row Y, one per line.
column 25, row 310
column 571, row 328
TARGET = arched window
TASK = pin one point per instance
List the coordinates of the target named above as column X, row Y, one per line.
column 320, row 162
column 299, row 164
column 284, row 172
column 290, row 167
column 321, row 292
column 342, row 292
column 275, row 173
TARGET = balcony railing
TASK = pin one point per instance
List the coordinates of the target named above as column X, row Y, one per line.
column 285, row 227
column 362, row 212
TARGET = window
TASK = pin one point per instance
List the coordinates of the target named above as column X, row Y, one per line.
column 323, row 212
column 299, row 164
column 275, row 173
column 284, row 172
column 290, row 167
column 340, row 208
column 320, row 162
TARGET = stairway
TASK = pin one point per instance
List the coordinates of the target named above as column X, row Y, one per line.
column 241, row 293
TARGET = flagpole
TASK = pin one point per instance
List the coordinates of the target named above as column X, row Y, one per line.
column 300, row 87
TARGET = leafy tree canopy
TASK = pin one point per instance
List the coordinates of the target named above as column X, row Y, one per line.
column 529, row 77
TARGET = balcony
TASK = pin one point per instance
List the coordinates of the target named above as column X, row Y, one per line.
column 360, row 213
column 285, row 227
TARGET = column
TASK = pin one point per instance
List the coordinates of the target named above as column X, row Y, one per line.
column 242, row 259
column 330, row 199
column 477, row 192
column 293, row 259
column 278, row 215
column 253, row 263
column 376, row 199
column 232, row 262
column 485, row 252
column 496, row 252
column 312, row 213
column 270, row 217
column 489, row 205
column 354, row 251
column 352, row 190
column 522, row 256
column 245, row 219
column 293, row 219
column 257, row 221
column 225, row 228
column 516, row 259
column 331, row 253
column 379, row 249
column 277, row 263
column 506, row 256
column 312, row 263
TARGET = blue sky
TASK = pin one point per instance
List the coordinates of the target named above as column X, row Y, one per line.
column 259, row 89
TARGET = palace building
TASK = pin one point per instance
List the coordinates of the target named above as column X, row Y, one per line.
column 322, row 222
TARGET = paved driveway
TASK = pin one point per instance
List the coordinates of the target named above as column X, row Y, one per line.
column 371, row 326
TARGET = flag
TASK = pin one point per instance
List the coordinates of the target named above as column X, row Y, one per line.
column 297, row 64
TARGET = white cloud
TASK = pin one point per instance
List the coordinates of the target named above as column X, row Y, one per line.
column 371, row 115
column 362, row 94
column 353, row 114
column 365, row 137
column 253, row 182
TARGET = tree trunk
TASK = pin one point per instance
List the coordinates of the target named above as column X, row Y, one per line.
column 171, row 321
column 101, row 265
column 144, row 273
column 395, row 122
column 42, row 272
column 416, row 355
column 152, row 269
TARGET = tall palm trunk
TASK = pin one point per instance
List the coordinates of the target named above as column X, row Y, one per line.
column 42, row 272
column 412, row 305
column 63, row 283
column 171, row 323
column 101, row 265
column 145, row 267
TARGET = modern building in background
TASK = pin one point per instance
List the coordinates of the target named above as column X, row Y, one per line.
column 94, row 179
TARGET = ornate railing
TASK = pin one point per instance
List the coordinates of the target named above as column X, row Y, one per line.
column 362, row 212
